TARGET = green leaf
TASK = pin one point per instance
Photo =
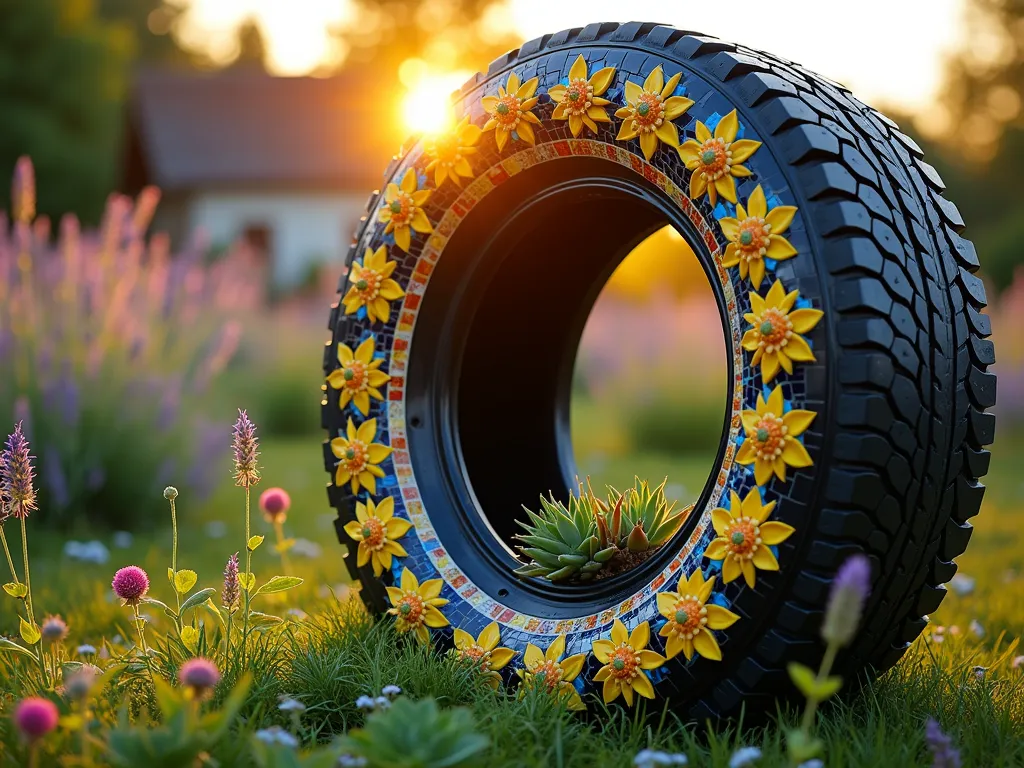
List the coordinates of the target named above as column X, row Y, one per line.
column 809, row 685
column 10, row 645
column 254, row 541
column 170, row 576
column 154, row 601
column 247, row 580
column 261, row 621
column 190, row 637
column 802, row 747
column 30, row 633
column 197, row 599
column 16, row 589
column 278, row 584
column 184, row 580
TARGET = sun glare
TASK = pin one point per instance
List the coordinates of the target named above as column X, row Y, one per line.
column 426, row 107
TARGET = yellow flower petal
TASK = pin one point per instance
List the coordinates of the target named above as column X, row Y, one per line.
column 732, row 257
column 633, row 92
column 668, row 133
column 674, row 645
column 610, row 690
column 626, row 130
column 749, row 573
column 602, row 650
column 572, row 666
column 598, row 114
column 557, row 93
column 720, row 618
column 756, row 272
column 775, row 403
column 423, row 634
column 769, row 367
column 394, row 595
column 655, row 80
column 779, row 248
column 721, row 520
column 408, row 581
column 676, row 106
column 706, row 645
column 602, row 79
column 389, row 291
column 795, row 455
column 717, row 549
column 500, row 657
column 627, row 693
column 797, row 421
column 527, row 90
column 651, row 660
column 805, row 319
column 730, row 569
column 780, row 217
column 501, row 138
column 640, row 636
column 619, row 634
column 490, row 636
column 354, row 530
column 727, row 127
column 420, row 222
column 642, row 685
column 688, row 153
column 533, row 656
column 556, row 649
column 463, row 639
column 765, row 560
column 525, row 131
column 393, row 548
column 409, row 181
column 578, row 70
column 742, row 150
column 575, row 124
column 512, row 84
column 798, row 350
column 433, row 617
column 703, row 134
column 396, row 528
column 648, row 144
column 698, row 185
column 669, row 88
column 403, row 238
column 667, row 603
column 757, row 204
column 726, row 187
column 745, row 455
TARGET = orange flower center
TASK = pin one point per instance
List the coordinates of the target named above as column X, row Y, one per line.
column 648, row 112
column 624, row 662
column 410, row 611
column 769, row 436
column 548, row 674
column 689, row 617
column 578, row 97
column 401, row 209
column 354, row 374
column 715, row 159
column 373, row 533
column 753, row 238
column 368, row 284
column 446, row 149
column 355, row 457
column 742, row 537
column 507, row 111
column 774, row 329
column 477, row 656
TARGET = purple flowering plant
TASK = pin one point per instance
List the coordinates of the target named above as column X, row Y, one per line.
column 106, row 339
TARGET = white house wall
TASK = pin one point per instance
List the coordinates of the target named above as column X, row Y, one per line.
column 305, row 227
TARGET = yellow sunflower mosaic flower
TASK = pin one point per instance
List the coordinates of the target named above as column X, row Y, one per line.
column 744, row 535
column 510, row 111
column 415, row 606
column 548, row 671
column 580, row 101
column 755, row 234
column 358, row 457
column 775, row 331
column 450, row 151
column 625, row 657
column 377, row 530
column 691, row 619
column 372, row 286
column 358, row 378
column 771, row 443
column 716, row 161
column 483, row 652
column 650, row 110
column 403, row 210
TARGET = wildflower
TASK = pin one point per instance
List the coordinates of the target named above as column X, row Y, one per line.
column 365, row 702
column 812, row 763
column 35, row 717
column 962, row 585
column 288, row 704
column 85, row 649
column 846, row 601
column 123, row 539
column 170, row 493
column 744, row 537
column 87, row 551
column 54, row 629
column 131, row 584
column 941, row 746
column 976, row 629
column 939, row 634
column 275, row 503
column 744, row 757
column 79, row 683
column 625, row 657
column 277, row 735
column 1017, row 663
column 382, row 703
column 979, row 672
column 200, row 675
column 391, row 691
column 246, row 448
column 17, row 474
column 230, row 593
column 510, row 113
column 483, row 653
column 352, row 761
column 650, row 758
column 376, row 529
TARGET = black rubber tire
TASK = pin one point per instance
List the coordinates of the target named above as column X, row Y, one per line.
column 900, row 386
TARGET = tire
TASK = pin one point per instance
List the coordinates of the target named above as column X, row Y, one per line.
column 479, row 350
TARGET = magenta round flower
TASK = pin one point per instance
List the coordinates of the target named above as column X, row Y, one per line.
column 54, row 629
column 275, row 503
column 131, row 584
column 199, row 674
column 35, row 717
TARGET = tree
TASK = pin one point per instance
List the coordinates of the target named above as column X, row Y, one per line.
column 62, row 82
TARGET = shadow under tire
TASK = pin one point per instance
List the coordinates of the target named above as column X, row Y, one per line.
column 478, row 343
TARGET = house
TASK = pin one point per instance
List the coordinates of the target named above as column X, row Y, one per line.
column 285, row 163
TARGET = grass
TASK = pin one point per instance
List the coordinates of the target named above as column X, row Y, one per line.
column 340, row 654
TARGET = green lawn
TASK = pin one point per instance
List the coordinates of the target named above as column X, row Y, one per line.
column 328, row 670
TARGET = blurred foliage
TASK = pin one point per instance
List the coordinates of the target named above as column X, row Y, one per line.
column 62, row 81
column 676, row 425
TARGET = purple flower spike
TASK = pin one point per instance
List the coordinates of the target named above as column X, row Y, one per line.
column 35, row 717
column 850, row 590
column 131, row 584
column 16, row 475
column 941, row 746
column 231, row 592
column 246, row 448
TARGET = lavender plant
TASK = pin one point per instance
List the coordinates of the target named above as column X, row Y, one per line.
column 105, row 339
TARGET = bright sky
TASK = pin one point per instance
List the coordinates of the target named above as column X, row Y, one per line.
column 887, row 51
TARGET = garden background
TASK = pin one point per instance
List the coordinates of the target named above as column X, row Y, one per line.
column 127, row 363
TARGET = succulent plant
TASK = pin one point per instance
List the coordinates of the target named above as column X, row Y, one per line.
column 579, row 539
column 562, row 541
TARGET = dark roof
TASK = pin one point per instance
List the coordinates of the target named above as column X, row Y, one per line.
column 244, row 127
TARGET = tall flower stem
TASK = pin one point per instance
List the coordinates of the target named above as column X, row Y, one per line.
column 248, row 573
column 279, row 533
column 142, row 635
column 28, row 576
column 7, row 551
column 813, row 701
column 174, row 555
